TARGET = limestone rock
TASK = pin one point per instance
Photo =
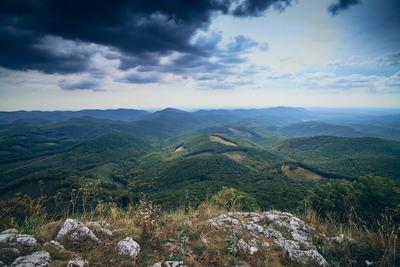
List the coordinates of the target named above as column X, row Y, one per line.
column 76, row 231
column 78, row 263
column 174, row 264
column 40, row 258
column 283, row 229
column 127, row 247
column 11, row 237
column 168, row 264
column 25, row 240
column 307, row 257
column 10, row 231
column 246, row 247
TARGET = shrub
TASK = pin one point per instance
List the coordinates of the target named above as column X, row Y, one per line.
column 368, row 199
column 232, row 199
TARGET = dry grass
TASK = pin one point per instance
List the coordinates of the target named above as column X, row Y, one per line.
column 380, row 243
column 176, row 235
column 184, row 234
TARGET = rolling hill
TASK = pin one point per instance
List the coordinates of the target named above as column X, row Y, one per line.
column 347, row 157
column 165, row 154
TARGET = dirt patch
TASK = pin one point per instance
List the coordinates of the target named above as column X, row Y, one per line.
column 300, row 173
column 179, row 149
column 236, row 156
column 219, row 139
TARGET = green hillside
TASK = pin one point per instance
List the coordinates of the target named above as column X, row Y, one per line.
column 348, row 157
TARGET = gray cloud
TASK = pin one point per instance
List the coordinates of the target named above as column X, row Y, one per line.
column 79, row 84
column 141, row 77
column 341, row 5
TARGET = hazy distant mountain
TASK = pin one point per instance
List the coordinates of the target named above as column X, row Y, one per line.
column 52, row 116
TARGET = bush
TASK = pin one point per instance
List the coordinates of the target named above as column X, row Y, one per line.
column 369, row 198
column 376, row 197
column 232, row 199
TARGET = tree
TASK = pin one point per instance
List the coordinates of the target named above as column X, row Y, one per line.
column 232, row 199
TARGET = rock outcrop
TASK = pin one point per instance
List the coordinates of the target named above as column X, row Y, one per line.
column 127, row 247
column 168, row 264
column 284, row 230
column 11, row 238
column 78, row 263
column 74, row 230
column 40, row 258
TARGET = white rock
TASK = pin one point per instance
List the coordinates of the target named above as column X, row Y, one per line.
column 25, row 240
column 77, row 231
column 157, row 264
column 174, row 264
column 246, row 247
column 307, row 257
column 340, row 238
column 296, row 242
column 78, row 263
column 10, row 231
column 40, row 258
column 127, row 247
column 272, row 233
column 254, row 228
column 6, row 238
column 12, row 238
column 168, row 264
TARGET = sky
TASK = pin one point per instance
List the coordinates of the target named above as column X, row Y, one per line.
column 70, row 55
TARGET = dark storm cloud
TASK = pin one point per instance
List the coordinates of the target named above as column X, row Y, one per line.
column 341, row 5
column 139, row 30
column 141, row 77
column 81, row 84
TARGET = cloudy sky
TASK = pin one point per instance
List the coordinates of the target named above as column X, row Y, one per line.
column 57, row 55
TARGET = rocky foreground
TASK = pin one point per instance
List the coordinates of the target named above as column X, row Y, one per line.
column 258, row 233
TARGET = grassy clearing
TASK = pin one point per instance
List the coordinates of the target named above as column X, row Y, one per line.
column 299, row 173
column 219, row 139
column 236, row 156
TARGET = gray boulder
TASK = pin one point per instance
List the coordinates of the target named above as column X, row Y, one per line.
column 127, row 247
column 168, row 264
column 40, row 258
column 11, row 237
column 78, row 263
column 76, row 231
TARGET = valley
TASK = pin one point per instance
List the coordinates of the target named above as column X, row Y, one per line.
column 169, row 152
